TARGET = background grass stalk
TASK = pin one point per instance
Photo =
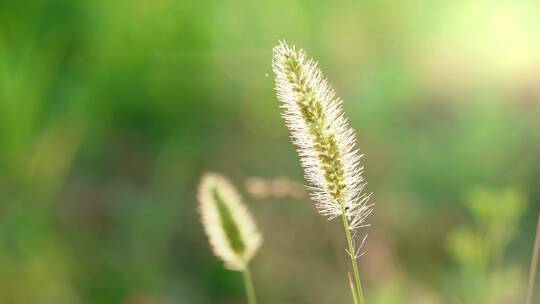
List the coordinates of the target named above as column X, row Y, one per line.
column 534, row 264
column 231, row 230
column 352, row 251
column 352, row 287
column 248, row 284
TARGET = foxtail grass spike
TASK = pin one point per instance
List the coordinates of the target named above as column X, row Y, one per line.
column 231, row 230
column 324, row 140
column 326, row 145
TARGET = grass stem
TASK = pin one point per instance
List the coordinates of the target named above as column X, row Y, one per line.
column 248, row 284
column 353, row 291
column 534, row 264
column 352, row 252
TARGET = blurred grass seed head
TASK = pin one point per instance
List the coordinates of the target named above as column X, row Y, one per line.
column 231, row 230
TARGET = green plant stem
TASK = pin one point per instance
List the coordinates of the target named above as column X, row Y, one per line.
column 353, row 291
column 352, row 252
column 248, row 284
column 534, row 264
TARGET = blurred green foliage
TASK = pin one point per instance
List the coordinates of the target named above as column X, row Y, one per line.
column 111, row 110
column 479, row 248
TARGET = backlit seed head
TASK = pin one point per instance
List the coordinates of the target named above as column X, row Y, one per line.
column 231, row 231
column 324, row 140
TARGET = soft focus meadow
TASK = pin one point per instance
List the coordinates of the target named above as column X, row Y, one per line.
column 110, row 112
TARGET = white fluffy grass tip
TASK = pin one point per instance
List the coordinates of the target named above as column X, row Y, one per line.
column 231, row 230
column 325, row 142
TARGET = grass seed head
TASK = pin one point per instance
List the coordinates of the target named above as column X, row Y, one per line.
column 231, row 230
column 321, row 133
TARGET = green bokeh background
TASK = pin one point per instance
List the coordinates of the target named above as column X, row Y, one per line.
column 110, row 111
